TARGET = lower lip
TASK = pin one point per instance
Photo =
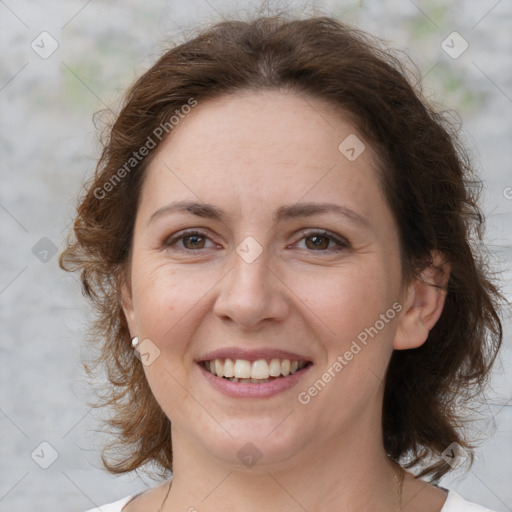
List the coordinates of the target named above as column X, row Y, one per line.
column 253, row 389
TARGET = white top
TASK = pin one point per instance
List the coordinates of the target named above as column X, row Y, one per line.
column 454, row 503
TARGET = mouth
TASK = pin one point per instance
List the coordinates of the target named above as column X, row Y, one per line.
column 255, row 372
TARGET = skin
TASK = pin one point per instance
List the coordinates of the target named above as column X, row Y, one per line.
column 249, row 154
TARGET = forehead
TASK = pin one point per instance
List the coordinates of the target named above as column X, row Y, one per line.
column 264, row 147
column 282, row 125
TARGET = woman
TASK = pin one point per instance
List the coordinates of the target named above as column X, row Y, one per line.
column 279, row 230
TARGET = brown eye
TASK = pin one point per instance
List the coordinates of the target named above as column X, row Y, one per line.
column 319, row 241
column 196, row 241
column 187, row 241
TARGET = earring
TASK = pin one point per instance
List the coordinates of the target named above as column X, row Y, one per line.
column 135, row 342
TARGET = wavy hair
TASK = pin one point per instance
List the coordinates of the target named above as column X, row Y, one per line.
column 428, row 182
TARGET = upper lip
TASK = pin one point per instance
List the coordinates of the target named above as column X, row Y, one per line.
column 251, row 354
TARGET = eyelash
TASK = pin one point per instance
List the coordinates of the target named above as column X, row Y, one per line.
column 342, row 244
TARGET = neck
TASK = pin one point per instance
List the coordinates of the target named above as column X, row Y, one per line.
column 352, row 472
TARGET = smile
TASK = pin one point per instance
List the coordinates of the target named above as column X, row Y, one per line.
column 259, row 371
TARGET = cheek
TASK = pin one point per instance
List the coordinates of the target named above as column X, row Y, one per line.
column 357, row 343
column 158, row 297
column 165, row 301
column 169, row 300
column 347, row 299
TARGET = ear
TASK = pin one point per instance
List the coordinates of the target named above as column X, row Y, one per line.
column 423, row 304
column 125, row 288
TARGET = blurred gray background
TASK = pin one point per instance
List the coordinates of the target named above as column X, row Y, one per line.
column 63, row 61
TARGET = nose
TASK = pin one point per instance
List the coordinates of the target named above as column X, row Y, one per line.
column 252, row 294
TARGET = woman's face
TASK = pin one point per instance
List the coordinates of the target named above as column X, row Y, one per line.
column 294, row 256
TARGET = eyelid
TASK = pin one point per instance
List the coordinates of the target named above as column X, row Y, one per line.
column 341, row 242
column 173, row 239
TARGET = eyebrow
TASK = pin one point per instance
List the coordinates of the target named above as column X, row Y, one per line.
column 309, row 209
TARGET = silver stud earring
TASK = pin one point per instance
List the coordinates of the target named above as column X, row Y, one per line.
column 135, row 342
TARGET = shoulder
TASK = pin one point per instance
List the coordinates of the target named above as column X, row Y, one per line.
column 112, row 507
column 455, row 503
column 150, row 499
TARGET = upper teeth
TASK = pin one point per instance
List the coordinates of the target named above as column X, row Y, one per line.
column 260, row 369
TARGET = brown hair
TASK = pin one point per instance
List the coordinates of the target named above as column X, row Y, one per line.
column 427, row 179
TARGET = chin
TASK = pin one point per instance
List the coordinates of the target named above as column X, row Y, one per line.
column 256, row 445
